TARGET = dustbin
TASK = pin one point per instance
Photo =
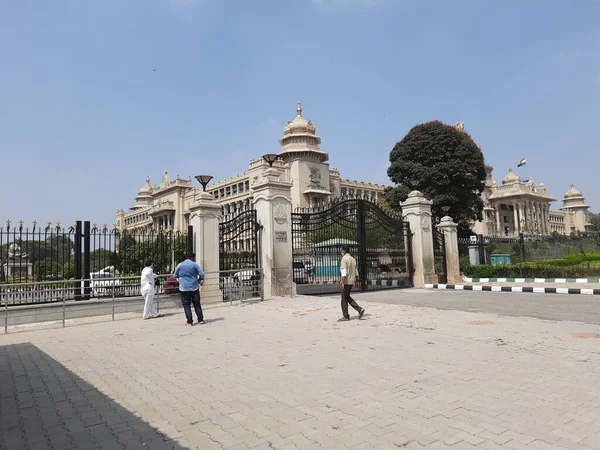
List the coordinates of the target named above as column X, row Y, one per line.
column 499, row 258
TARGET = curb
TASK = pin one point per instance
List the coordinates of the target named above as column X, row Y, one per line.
column 530, row 280
column 536, row 290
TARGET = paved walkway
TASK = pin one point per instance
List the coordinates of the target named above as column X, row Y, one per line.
column 284, row 374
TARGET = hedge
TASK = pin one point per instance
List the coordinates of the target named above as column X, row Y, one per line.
column 536, row 269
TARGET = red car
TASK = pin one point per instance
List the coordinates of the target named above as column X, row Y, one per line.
column 171, row 285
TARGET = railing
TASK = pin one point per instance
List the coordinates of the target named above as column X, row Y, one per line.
column 55, row 301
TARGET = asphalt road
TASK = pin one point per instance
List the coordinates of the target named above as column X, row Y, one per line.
column 557, row 307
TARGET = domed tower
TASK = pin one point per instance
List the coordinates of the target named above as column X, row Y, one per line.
column 308, row 168
column 143, row 198
column 576, row 209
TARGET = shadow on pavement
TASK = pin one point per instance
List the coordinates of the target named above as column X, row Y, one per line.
column 43, row 405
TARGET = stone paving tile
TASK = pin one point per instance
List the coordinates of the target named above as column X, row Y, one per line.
column 284, row 374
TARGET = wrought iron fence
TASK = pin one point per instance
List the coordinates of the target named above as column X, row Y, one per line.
column 531, row 256
column 84, row 251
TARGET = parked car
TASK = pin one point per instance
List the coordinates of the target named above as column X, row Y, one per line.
column 99, row 284
column 171, row 285
column 300, row 272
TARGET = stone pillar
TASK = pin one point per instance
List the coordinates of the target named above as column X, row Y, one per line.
column 448, row 227
column 204, row 217
column 272, row 198
column 417, row 211
column 499, row 230
column 516, row 218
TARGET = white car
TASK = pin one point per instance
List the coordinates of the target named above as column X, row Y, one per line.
column 100, row 285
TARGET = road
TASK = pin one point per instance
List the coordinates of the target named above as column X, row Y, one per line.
column 576, row 308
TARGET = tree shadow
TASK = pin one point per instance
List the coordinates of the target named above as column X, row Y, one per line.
column 43, row 405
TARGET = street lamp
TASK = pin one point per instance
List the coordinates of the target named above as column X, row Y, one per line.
column 204, row 180
column 270, row 158
column 445, row 209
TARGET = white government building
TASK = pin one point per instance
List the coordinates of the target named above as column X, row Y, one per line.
column 510, row 208
column 301, row 161
column 521, row 206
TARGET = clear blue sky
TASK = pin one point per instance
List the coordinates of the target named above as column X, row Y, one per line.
column 96, row 95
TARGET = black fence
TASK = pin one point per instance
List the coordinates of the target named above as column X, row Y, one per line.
column 84, row 251
column 238, row 241
column 531, row 256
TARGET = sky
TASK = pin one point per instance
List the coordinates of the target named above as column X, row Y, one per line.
column 97, row 95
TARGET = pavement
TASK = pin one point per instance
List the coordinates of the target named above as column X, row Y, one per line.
column 283, row 374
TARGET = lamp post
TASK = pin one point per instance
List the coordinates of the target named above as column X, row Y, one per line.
column 203, row 180
column 270, row 158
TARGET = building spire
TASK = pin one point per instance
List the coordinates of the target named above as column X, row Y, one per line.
column 299, row 109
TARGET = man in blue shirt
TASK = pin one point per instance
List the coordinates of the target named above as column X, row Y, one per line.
column 190, row 276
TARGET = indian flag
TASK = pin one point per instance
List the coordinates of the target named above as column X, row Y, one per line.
column 522, row 162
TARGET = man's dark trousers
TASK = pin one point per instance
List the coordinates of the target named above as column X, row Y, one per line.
column 347, row 300
column 187, row 299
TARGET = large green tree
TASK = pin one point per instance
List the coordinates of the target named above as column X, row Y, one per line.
column 446, row 165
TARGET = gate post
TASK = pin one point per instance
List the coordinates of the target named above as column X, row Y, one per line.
column 204, row 221
column 78, row 259
column 451, row 256
column 417, row 211
column 273, row 204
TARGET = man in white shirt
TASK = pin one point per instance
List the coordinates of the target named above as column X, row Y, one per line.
column 147, row 282
column 348, row 271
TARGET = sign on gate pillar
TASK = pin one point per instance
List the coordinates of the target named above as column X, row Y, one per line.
column 449, row 228
column 204, row 218
column 417, row 211
column 273, row 204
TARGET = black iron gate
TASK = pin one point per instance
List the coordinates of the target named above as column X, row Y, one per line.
column 439, row 255
column 379, row 240
column 238, row 241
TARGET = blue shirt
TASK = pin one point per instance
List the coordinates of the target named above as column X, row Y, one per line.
column 188, row 272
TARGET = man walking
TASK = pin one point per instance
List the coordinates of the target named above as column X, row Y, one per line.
column 190, row 276
column 348, row 271
column 147, row 281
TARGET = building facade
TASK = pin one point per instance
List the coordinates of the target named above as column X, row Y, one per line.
column 301, row 161
column 521, row 206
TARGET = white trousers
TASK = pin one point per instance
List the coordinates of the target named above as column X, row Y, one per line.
column 149, row 309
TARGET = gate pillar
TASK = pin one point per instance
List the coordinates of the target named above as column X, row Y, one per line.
column 449, row 228
column 204, row 219
column 272, row 198
column 417, row 211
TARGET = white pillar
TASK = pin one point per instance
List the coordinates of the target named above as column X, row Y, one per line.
column 498, row 221
column 417, row 211
column 204, row 217
column 449, row 228
column 272, row 200
column 516, row 218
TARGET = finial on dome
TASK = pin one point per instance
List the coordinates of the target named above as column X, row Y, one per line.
column 148, row 179
column 299, row 109
column 572, row 185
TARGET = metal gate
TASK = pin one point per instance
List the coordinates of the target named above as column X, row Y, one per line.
column 439, row 255
column 239, row 272
column 379, row 240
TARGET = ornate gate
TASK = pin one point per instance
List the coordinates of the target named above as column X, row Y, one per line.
column 238, row 241
column 379, row 240
column 439, row 254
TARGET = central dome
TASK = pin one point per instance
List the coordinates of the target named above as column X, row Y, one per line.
column 510, row 178
column 299, row 125
column 300, row 141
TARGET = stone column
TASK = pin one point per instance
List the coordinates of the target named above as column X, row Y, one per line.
column 272, row 200
column 448, row 227
column 498, row 221
column 204, row 217
column 516, row 218
column 417, row 211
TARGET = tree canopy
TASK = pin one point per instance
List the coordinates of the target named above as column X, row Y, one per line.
column 446, row 165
